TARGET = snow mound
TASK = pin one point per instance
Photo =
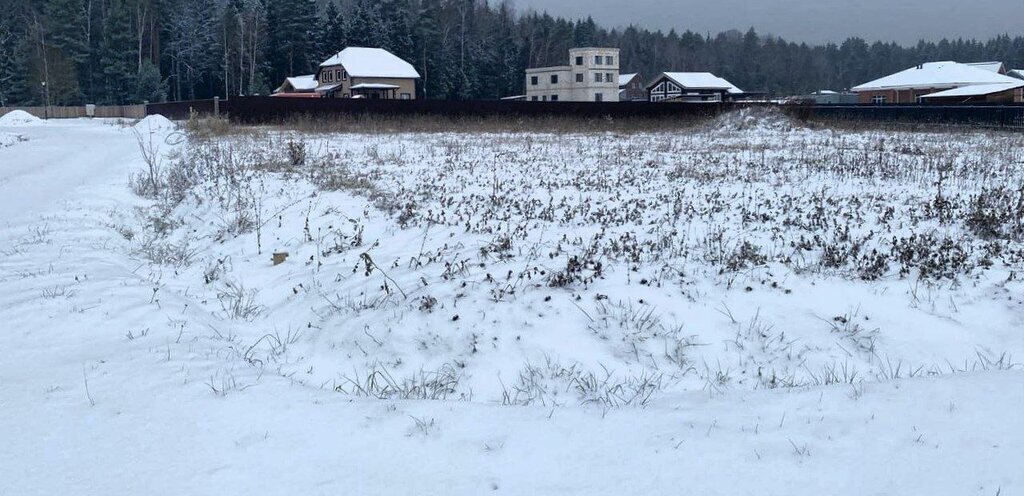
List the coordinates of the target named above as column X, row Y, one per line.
column 18, row 118
column 752, row 118
column 155, row 123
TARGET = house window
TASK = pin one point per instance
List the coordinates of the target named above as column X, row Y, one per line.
column 598, row 97
column 597, row 77
column 544, row 98
column 579, row 78
column 608, row 77
column 597, row 59
column 534, row 80
column 878, row 99
column 534, row 98
column 406, row 96
column 554, row 98
column 327, row 76
column 554, row 79
column 344, row 75
column 609, row 60
column 337, row 75
column 673, row 88
column 579, row 60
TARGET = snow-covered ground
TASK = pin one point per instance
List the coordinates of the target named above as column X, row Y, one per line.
column 747, row 307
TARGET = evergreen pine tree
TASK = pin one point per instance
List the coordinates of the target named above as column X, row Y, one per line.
column 116, row 59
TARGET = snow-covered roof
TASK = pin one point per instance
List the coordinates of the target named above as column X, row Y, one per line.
column 1017, row 73
column 328, row 87
column 701, row 80
column 825, row 92
column 947, row 74
column 989, row 66
column 375, row 86
column 303, row 83
column 624, row 79
column 976, row 90
column 372, row 62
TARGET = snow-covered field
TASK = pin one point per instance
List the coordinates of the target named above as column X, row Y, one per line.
column 749, row 306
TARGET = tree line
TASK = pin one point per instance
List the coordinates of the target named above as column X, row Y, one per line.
column 64, row 52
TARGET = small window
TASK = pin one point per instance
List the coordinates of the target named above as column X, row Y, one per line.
column 554, row 98
column 579, row 60
column 534, row 80
column 598, row 77
column 609, row 60
column 598, row 59
column 534, row 98
column 554, row 79
column 609, row 77
column 344, row 75
column 579, row 78
column 544, row 98
column 878, row 99
column 337, row 74
column 406, row 96
column 598, row 97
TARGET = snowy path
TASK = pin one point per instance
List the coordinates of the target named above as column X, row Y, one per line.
column 149, row 422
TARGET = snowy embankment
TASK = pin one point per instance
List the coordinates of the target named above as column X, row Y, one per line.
column 745, row 308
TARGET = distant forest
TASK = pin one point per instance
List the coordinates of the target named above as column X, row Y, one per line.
column 129, row 51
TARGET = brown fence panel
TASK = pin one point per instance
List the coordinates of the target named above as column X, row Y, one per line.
column 76, row 112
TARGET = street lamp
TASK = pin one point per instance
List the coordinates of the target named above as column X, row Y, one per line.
column 46, row 101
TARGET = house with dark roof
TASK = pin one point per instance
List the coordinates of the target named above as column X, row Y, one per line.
column 944, row 82
column 371, row 73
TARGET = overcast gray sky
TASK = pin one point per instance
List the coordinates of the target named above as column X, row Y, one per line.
column 904, row 21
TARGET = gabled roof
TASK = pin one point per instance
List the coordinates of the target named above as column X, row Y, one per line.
column 372, row 62
column 698, row 81
column 625, row 79
column 947, row 74
column 989, row 66
column 976, row 90
column 298, row 83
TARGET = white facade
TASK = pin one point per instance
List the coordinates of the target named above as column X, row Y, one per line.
column 591, row 76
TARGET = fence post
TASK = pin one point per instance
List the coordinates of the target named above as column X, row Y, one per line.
column 216, row 106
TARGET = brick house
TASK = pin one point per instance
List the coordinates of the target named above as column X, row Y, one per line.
column 935, row 82
column 631, row 88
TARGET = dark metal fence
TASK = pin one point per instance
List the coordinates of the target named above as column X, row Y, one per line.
column 181, row 110
column 1007, row 116
column 271, row 109
column 260, row 110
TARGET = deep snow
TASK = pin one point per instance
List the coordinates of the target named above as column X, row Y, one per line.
column 124, row 376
